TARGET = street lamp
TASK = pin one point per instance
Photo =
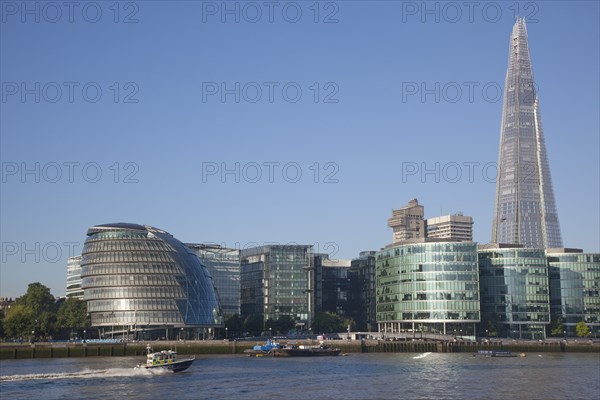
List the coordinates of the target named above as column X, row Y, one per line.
column 84, row 336
column 180, row 333
column 32, row 337
column 270, row 332
column 226, row 333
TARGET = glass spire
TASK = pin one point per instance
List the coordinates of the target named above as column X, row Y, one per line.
column 525, row 208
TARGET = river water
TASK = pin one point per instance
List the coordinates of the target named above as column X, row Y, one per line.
column 356, row 376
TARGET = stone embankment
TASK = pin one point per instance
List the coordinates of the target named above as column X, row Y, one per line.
column 58, row 350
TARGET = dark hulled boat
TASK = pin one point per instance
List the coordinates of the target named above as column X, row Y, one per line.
column 497, row 353
column 166, row 359
column 306, row 351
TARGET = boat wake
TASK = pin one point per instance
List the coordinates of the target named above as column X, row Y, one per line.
column 423, row 355
column 85, row 374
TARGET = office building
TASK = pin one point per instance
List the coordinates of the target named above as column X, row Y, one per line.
column 514, row 291
column 455, row 227
column 331, row 285
column 362, row 300
column 525, row 211
column 223, row 264
column 428, row 285
column 407, row 222
column 74, row 278
column 140, row 280
column 574, row 289
column 274, row 282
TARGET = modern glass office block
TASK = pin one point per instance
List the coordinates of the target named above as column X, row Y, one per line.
column 275, row 282
column 428, row 286
column 223, row 264
column 575, row 289
column 514, row 292
column 362, row 301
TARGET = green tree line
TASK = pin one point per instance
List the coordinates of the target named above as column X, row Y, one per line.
column 254, row 325
column 37, row 315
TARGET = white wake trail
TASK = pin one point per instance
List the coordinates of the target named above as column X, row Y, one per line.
column 423, row 355
column 85, row 374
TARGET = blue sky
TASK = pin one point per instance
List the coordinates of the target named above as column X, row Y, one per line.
column 180, row 102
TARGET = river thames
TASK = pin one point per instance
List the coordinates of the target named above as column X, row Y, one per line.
column 356, row 376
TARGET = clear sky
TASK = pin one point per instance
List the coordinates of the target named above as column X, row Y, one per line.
column 131, row 111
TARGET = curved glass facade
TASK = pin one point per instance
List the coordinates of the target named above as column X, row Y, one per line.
column 430, row 284
column 74, row 278
column 514, row 292
column 224, row 266
column 143, row 276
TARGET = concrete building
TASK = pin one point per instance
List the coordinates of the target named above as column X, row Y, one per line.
column 407, row 222
column 456, row 227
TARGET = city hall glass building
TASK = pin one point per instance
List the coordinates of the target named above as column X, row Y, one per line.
column 141, row 278
column 514, row 291
column 428, row 286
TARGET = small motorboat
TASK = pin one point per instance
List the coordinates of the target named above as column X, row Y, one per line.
column 306, row 351
column 263, row 350
column 165, row 359
column 274, row 349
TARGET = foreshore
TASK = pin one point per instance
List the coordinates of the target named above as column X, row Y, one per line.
column 91, row 349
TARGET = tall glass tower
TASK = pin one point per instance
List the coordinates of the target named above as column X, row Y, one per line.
column 525, row 209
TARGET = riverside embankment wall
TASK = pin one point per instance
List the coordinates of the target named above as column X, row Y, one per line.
column 58, row 350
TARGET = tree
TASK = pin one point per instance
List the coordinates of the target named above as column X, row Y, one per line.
column 558, row 328
column 254, row 324
column 582, row 329
column 19, row 322
column 281, row 326
column 285, row 323
column 349, row 323
column 35, row 312
column 38, row 299
column 73, row 314
column 234, row 324
column 489, row 326
column 326, row 322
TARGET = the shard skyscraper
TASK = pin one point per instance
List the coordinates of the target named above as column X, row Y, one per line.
column 525, row 208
